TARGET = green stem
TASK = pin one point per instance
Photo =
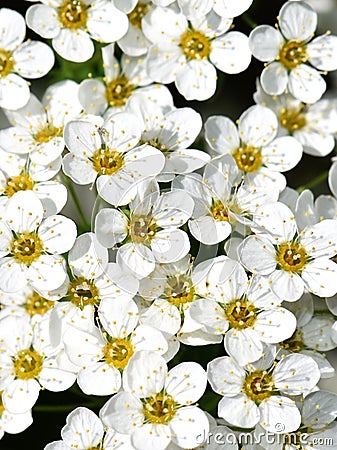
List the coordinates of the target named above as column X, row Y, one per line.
column 317, row 180
column 249, row 21
column 76, row 201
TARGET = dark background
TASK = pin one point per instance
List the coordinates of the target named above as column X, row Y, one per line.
column 233, row 96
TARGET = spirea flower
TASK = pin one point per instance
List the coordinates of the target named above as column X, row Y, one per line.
column 71, row 24
column 19, row 60
column 294, row 60
column 157, row 405
column 31, row 247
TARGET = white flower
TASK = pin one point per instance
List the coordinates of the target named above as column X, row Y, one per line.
column 72, row 23
column 172, row 290
column 313, row 334
column 170, row 132
column 84, row 430
column 121, row 81
column 258, row 153
column 104, row 353
column 244, row 310
column 28, row 362
column 260, row 392
column 27, row 303
column 111, row 152
column 13, row 423
column 19, row 174
column 150, row 232
column 291, row 260
column 294, row 63
column 18, row 60
column 221, row 203
column 38, row 127
column 223, row 8
column 92, row 282
column 312, row 125
column 187, row 56
column 31, row 248
column 157, row 406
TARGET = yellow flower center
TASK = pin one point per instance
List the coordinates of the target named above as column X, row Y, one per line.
column 292, row 54
column 106, row 161
column 294, row 343
column 155, row 142
column 27, row 364
column 118, row 352
column 258, row 385
column 219, row 211
column 26, row 248
column 195, row 45
column 240, row 314
column 159, row 409
column 73, row 14
column 6, row 63
column 291, row 256
column 35, row 304
column 2, row 408
column 22, row 182
column 118, row 91
column 179, row 290
column 47, row 133
column 248, row 159
column 83, row 292
column 142, row 229
column 292, row 120
column 138, row 13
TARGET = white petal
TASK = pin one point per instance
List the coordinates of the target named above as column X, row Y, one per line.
column 123, row 411
column 55, row 379
column 319, row 409
column 317, row 333
column 333, row 179
column 286, row 285
column 124, row 312
column 16, row 423
column 145, row 374
column 88, row 258
column 226, row 8
column 13, row 275
column 106, row 23
column 164, row 25
column 243, row 345
column 208, row 231
column 58, row 234
column 258, row 255
column 280, row 414
column 99, row 379
column 21, row 395
column 282, row 154
column 53, row 196
column 47, row 273
column 33, row 59
column 296, row 374
column 258, row 126
column 82, row 137
column 322, row 52
column 14, row 92
column 157, row 437
column 78, row 169
column 221, row 134
column 239, row 411
column 43, row 20
column 186, row 382
column 24, row 211
column 12, row 29
column 265, row 43
column 274, row 79
column 173, row 209
column 275, row 325
column 170, row 245
column 298, row 21
column 137, row 258
column 74, row 46
column 231, row 53
column 162, row 315
column 277, row 220
column 92, row 95
column 210, row 315
column 315, row 143
column 319, row 276
column 187, row 424
column 225, row 376
column 163, row 62
column 306, row 84
column 197, row 80
column 320, row 240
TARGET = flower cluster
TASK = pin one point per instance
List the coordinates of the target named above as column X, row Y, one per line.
column 194, row 239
